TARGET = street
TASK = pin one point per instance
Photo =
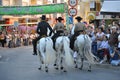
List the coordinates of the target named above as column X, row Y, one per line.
column 20, row 64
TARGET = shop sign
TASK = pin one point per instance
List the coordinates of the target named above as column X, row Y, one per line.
column 32, row 10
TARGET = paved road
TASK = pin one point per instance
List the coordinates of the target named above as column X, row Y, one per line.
column 20, row 64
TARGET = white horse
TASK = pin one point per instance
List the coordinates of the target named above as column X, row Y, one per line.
column 46, row 52
column 83, row 47
column 64, row 56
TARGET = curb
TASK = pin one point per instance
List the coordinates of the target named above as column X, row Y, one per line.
column 107, row 66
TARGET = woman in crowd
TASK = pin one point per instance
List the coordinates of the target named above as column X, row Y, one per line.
column 103, row 50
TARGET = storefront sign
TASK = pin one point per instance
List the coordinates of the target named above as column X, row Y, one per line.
column 32, row 10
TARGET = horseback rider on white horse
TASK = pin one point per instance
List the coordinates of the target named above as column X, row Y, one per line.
column 79, row 29
column 81, row 44
column 59, row 29
column 42, row 31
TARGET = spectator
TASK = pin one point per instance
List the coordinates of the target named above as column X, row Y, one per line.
column 2, row 39
column 113, row 39
column 108, row 33
column 94, row 43
column 99, row 35
column 103, row 50
column 115, row 56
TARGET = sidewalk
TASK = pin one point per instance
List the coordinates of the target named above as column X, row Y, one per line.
column 107, row 66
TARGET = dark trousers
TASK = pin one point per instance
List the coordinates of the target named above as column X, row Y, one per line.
column 55, row 36
column 94, row 48
column 101, row 53
column 72, row 39
column 35, row 43
column 2, row 42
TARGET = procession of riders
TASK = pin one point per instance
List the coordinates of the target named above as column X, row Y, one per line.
column 105, row 42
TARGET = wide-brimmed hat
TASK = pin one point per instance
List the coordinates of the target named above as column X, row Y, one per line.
column 43, row 17
column 78, row 18
column 59, row 18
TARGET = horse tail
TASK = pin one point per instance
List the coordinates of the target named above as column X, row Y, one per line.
column 49, row 52
column 87, row 50
column 68, row 56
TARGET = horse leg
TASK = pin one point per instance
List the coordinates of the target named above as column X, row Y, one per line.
column 89, row 70
column 57, row 61
column 41, row 60
column 55, row 64
column 63, row 64
column 82, row 59
column 75, row 59
column 40, row 67
column 76, row 66
column 46, row 67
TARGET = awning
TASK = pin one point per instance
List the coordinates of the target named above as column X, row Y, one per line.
column 111, row 7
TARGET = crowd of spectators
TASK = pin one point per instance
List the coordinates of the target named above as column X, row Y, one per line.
column 16, row 39
column 106, row 43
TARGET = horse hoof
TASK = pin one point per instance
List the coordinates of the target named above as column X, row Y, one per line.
column 64, row 71
column 56, row 68
column 34, row 53
column 76, row 66
column 54, row 64
column 46, row 70
column 39, row 68
column 89, row 70
column 80, row 68
column 75, row 62
column 42, row 62
column 61, row 68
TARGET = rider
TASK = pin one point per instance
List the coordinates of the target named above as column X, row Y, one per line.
column 59, row 28
column 42, row 32
column 79, row 29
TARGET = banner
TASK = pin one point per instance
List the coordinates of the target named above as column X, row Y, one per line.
column 32, row 10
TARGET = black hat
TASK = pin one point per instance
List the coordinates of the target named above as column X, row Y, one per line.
column 59, row 18
column 43, row 17
column 78, row 18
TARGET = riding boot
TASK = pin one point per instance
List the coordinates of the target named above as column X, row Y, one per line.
column 72, row 43
column 34, row 47
column 54, row 45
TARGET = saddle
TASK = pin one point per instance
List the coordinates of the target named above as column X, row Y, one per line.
column 43, row 36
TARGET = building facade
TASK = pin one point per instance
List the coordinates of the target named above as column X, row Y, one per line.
column 87, row 9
